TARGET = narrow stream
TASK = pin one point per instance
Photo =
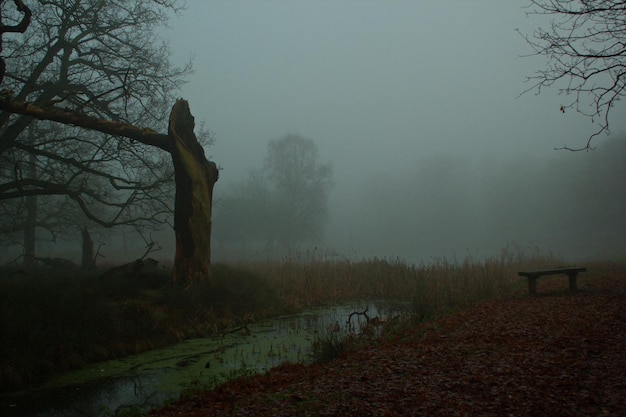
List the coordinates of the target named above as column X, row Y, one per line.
column 149, row 379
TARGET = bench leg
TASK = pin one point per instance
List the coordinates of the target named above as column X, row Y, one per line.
column 572, row 281
column 532, row 285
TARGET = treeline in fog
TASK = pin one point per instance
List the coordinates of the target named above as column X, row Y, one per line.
column 572, row 204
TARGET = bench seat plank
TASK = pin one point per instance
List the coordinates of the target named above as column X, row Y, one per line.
column 555, row 271
column 571, row 272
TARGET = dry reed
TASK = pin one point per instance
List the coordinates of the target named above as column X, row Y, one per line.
column 304, row 281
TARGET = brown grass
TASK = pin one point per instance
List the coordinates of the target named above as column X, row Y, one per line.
column 437, row 286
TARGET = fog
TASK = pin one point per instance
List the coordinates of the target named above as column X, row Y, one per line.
column 417, row 107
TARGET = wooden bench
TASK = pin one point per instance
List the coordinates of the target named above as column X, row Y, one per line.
column 571, row 272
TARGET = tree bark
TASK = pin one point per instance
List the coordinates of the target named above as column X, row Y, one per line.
column 195, row 178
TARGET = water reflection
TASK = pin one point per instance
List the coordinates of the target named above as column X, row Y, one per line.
column 148, row 380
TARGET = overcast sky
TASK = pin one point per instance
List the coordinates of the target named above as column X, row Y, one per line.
column 372, row 82
column 378, row 85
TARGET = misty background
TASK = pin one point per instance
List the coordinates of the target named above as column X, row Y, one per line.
column 416, row 105
column 417, row 108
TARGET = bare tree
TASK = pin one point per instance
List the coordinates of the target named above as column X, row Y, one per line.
column 101, row 111
column 299, row 187
column 19, row 26
column 585, row 45
column 279, row 207
column 102, row 58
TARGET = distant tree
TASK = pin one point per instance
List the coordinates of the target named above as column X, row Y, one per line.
column 244, row 214
column 106, row 92
column 280, row 206
column 585, row 45
column 299, row 185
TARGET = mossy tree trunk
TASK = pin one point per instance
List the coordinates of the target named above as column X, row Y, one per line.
column 195, row 178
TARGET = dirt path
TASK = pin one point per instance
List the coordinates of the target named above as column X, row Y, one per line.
column 556, row 354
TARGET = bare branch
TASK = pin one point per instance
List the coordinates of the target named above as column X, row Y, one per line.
column 68, row 117
column 19, row 28
column 585, row 49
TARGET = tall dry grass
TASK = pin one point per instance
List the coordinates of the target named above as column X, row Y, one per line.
column 304, row 281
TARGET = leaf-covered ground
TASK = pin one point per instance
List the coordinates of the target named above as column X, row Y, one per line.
column 555, row 354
